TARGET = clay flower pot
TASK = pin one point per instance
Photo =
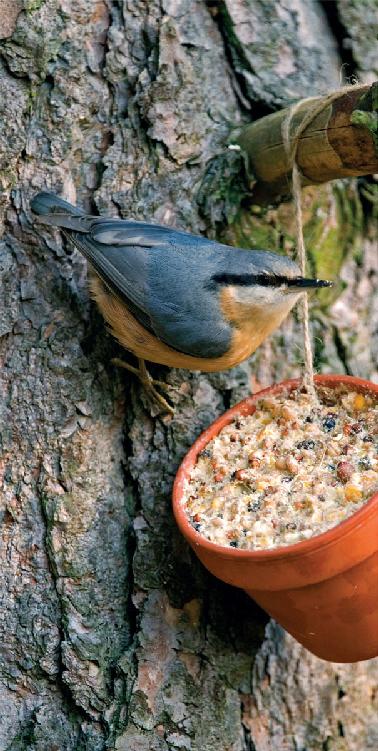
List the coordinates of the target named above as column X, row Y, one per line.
column 323, row 590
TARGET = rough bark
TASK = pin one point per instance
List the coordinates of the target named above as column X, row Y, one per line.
column 112, row 635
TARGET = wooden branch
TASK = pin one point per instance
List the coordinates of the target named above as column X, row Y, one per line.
column 342, row 141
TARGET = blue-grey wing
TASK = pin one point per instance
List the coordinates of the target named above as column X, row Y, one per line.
column 123, row 270
column 161, row 275
column 185, row 312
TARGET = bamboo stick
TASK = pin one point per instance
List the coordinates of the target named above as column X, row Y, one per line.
column 342, row 141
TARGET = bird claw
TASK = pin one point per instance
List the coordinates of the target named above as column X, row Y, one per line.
column 147, row 382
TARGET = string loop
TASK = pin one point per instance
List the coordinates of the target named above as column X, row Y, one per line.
column 291, row 142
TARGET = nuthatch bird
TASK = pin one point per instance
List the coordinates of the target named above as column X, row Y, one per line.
column 175, row 298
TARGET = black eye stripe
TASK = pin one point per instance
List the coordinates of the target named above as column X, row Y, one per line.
column 267, row 280
column 247, row 280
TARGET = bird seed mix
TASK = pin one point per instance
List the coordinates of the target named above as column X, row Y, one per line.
column 289, row 471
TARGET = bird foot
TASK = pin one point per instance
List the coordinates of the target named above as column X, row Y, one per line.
column 147, row 382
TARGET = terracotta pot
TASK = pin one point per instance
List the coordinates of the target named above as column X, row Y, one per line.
column 324, row 590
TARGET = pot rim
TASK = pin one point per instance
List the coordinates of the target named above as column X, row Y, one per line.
column 298, row 549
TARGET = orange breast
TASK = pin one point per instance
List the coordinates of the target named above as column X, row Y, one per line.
column 248, row 334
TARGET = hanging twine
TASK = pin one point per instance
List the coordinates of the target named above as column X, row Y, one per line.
column 291, row 142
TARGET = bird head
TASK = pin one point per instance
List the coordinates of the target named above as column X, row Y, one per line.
column 267, row 280
column 259, row 288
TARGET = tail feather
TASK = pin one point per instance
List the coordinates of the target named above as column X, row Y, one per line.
column 56, row 212
column 48, row 203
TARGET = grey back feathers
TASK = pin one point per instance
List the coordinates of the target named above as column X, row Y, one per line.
column 166, row 277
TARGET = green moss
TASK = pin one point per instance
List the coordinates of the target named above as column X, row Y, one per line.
column 330, row 240
column 71, row 467
column 366, row 116
column 251, row 230
column 369, row 191
column 31, row 5
column 8, row 179
column 333, row 224
column 25, row 737
column 224, row 187
column 368, row 120
column 33, row 95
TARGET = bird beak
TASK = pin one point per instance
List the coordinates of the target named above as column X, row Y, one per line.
column 300, row 283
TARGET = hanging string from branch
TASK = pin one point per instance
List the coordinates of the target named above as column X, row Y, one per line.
column 291, row 142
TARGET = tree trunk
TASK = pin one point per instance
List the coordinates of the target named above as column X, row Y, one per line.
column 112, row 634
